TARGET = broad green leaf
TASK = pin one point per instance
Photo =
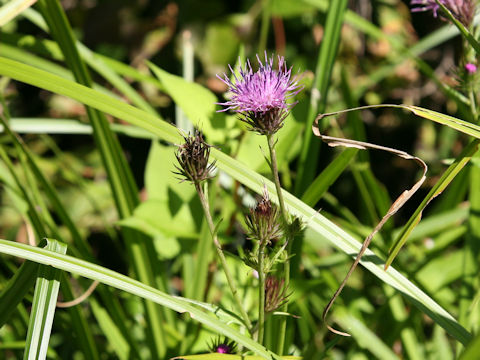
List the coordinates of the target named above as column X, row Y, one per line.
column 167, row 246
column 197, row 102
column 122, row 282
column 160, row 177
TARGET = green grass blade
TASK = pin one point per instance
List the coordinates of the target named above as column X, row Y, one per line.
column 121, row 179
column 69, row 126
column 472, row 351
column 16, row 288
column 318, row 101
column 328, row 176
column 97, row 64
column 43, row 306
column 12, row 9
column 122, row 282
column 111, row 331
column 364, row 336
column 326, row 230
column 437, row 189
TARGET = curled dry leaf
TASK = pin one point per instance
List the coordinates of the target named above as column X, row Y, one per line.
column 397, row 204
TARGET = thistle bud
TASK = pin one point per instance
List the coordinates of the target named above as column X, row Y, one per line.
column 223, row 346
column 192, row 157
column 275, row 293
column 264, row 221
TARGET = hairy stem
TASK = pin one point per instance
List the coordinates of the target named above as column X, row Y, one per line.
column 228, row 275
column 261, row 292
column 283, row 210
column 276, row 179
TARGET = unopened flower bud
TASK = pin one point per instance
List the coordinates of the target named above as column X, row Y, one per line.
column 275, row 293
column 192, row 157
column 264, row 221
column 223, row 346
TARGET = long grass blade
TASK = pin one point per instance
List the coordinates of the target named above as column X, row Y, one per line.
column 43, row 306
column 121, row 179
column 122, row 282
column 12, row 9
column 16, row 288
column 318, row 102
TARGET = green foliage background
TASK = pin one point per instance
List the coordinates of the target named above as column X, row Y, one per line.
column 90, row 90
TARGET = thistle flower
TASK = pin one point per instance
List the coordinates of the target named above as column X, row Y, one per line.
column 470, row 68
column 223, row 346
column 192, row 157
column 275, row 293
column 261, row 97
column 462, row 10
column 264, row 220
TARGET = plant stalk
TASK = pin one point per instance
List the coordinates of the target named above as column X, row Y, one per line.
column 261, row 292
column 283, row 210
column 231, row 283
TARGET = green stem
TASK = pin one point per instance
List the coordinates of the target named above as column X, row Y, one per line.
column 286, row 270
column 276, row 179
column 231, row 283
column 261, row 292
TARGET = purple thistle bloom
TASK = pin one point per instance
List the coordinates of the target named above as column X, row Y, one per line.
column 462, row 10
column 261, row 97
column 223, row 349
column 426, row 5
column 471, row 68
column 224, row 346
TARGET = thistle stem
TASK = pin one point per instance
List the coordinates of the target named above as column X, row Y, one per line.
column 283, row 210
column 261, row 292
column 276, row 179
column 228, row 275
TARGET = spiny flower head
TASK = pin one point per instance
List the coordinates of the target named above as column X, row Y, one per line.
column 223, row 346
column 192, row 157
column 470, row 68
column 275, row 293
column 264, row 221
column 261, row 97
column 462, row 10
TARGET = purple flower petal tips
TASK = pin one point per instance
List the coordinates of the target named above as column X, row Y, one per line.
column 471, row 68
column 426, row 5
column 462, row 10
column 261, row 97
column 223, row 346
